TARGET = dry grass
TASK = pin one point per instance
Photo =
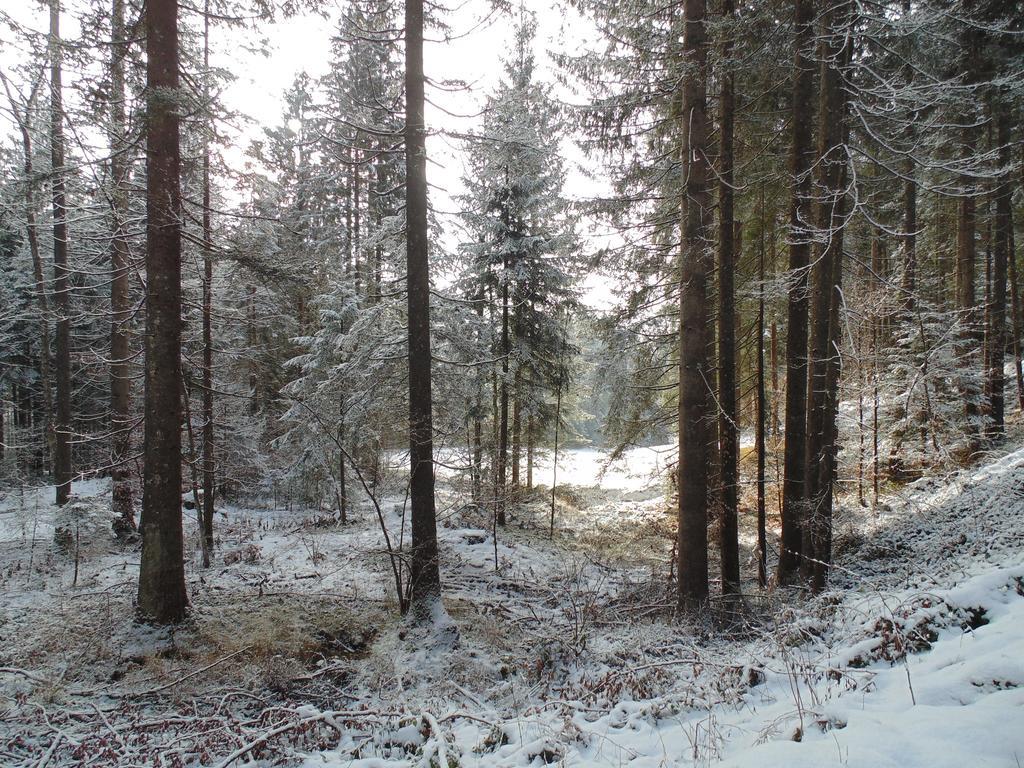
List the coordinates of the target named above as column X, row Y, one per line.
column 294, row 625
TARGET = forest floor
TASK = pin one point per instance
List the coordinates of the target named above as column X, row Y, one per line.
column 567, row 654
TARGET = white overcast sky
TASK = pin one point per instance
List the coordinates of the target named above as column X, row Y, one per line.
column 480, row 39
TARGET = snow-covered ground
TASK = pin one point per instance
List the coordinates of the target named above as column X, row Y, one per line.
column 568, row 654
column 638, row 469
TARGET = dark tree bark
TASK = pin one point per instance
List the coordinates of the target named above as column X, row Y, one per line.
column 62, row 358
column 517, row 430
column 875, row 456
column 909, row 285
column 478, row 413
column 800, row 160
column 500, row 492
column 966, row 254
column 1000, row 257
column 821, row 531
column 554, row 459
column 773, row 357
column 695, row 268
column 966, row 251
column 209, row 458
column 495, row 420
column 728, row 430
column 162, row 595
column 909, row 237
column 425, row 576
column 1015, row 314
column 381, row 182
column 349, row 240
column 879, row 258
column 986, row 301
column 759, row 436
column 346, row 267
column 342, row 487
column 120, row 299
column 530, row 439
column 824, row 360
column 250, row 335
column 357, row 266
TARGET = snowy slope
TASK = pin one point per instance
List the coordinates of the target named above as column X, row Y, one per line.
column 919, row 663
column 960, row 703
column 568, row 655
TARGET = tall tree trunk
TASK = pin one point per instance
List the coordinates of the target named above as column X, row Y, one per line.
column 425, row 585
column 193, row 459
column 554, row 457
column 16, row 403
column 821, row 541
column 909, row 285
column 909, row 237
column 823, row 373
column 506, row 351
column 495, row 412
column 478, row 412
column 879, row 260
column 61, row 287
column 517, row 429
column 695, row 268
column 773, row 365
column 349, row 240
column 250, row 335
column 1015, row 315
column 380, row 193
column 23, row 406
column 209, row 457
column 357, row 265
column 986, row 316
column 120, row 299
column 1000, row 258
column 800, row 224
column 759, row 436
column 478, row 445
column 342, row 490
column 728, row 420
column 966, row 302
column 860, row 421
column 162, row 595
column 346, row 270
column 875, row 456
column 966, row 252
column 530, row 439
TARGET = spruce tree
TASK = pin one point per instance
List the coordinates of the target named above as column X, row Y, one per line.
column 162, row 597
